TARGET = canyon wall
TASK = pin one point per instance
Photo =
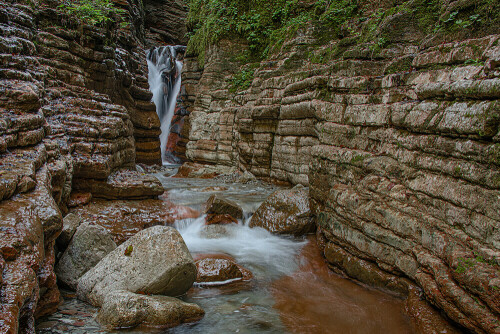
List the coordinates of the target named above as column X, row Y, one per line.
column 75, row 106
column 399, row 144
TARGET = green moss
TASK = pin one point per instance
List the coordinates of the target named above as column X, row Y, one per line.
column 357, row 158
column 243, row 79
column 265, row 26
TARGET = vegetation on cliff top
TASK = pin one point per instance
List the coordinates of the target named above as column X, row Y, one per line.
column 265, row 25
column 93, row 12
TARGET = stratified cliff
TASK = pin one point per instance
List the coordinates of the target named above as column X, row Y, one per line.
column 394, row 125
column 75, row 106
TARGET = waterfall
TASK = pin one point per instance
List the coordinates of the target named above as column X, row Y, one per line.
column 165, row 83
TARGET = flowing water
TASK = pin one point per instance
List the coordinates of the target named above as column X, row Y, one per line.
column 165, row 83
column 292, row 289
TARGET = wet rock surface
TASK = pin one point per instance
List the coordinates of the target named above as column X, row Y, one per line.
column 219, row 270
column 70, row 224
column 196, row 170
column 87, row 247
column 154, row 261
column 285, row 212
column 69, row 107
column 401, row 160
column 153, row 311
column 124, row 184
column 218, row 205
column 211, row 219
column 123, row 219
column 72, row 317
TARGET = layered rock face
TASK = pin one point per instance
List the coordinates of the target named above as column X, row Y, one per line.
column 398, row 145
column 166, row 22
column 74, row 106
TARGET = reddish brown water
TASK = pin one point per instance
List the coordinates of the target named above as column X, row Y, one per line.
column 315, row 300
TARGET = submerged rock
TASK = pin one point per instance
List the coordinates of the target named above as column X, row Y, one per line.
column 285, row 212
column 89, row 245
column 154, row 261
column 218, row 205
column 123, row 309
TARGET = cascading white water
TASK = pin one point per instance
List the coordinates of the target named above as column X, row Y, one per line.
column 165, row 83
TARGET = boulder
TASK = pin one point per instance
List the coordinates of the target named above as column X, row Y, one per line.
column 218, row 205
column 218, row 270
column 247, row 177
column 88, row 246
column 285, row 212
column 70, row 224
column 212, row 219
column 154, row 261
column 126, row 309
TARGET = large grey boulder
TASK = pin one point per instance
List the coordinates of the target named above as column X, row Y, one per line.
column 285, row 212
column 124, row 309
column 89, row 245
column 70, row 224
column 154, row 261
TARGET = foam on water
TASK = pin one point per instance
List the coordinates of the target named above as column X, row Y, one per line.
column 255, row 246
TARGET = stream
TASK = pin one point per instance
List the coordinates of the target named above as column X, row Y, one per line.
column 292, row 289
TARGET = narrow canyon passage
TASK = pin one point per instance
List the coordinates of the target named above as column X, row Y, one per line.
column 248, row 166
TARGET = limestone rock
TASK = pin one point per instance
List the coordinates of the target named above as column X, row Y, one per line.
column 154, row 261
column 123, row 184
column 70, row 224
column 219, row 205
column 89, row 245
column 285, row 212
column 123, row 309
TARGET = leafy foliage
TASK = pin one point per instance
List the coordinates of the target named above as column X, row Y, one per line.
column 93, row 12
column 263, row 24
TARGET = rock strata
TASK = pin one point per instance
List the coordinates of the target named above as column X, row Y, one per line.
column 123, row 184
column 74, row 105
column 399, row 146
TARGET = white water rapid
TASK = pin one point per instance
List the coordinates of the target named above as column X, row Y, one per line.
column 165, row 83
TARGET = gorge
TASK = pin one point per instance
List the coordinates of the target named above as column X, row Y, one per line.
column 385, row 114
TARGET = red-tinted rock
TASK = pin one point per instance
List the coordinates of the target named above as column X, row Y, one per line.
column 218, row 205
column 219, row 270
column 79, row 199
column 123, row 184
column 211, row 219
